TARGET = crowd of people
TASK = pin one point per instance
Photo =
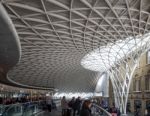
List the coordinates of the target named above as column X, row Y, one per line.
column 78, row 107
column 114, row 111
column 75, row 107
column 8, row 100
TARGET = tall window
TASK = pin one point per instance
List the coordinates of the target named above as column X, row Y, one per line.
column 148, row 57
column 136, row 85
column 136, row 60
column 147, row 82
column 138, row 64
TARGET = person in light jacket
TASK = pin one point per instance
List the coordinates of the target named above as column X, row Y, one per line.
column 64, row 105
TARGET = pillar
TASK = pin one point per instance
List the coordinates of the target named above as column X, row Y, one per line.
column 132, row 105
column 143, row 107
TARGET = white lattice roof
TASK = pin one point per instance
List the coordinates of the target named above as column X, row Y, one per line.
column 105, row 57
column 56, row 34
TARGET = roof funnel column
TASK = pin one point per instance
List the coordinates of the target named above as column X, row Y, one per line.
column 121, row 74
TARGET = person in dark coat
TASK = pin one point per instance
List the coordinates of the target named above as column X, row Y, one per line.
column 71, row 103
column 86, row 111
column 49, row 103
column 76, row 106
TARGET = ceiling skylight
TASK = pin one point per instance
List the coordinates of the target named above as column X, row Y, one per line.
column 70, row 95
column 104, row 57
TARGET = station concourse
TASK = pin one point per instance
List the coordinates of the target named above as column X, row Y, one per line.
column 96, row 51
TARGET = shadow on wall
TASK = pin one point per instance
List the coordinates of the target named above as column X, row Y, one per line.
column 10, row 48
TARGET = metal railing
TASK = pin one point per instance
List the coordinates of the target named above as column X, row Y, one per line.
column 99, row 111
column 22, row 109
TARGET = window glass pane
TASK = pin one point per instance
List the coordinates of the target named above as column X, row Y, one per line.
column 134, row 85
column 146, row 87
column 148, row 57
column 137, row 86
column 147, row 82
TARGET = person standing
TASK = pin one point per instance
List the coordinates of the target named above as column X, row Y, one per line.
column 49, row 104
column 76, row 106
column 72, row 101
column 64, row 106
column 86, row 111
column 145, row 113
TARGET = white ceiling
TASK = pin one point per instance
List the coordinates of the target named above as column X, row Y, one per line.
column 56, row 34
column 105, row 57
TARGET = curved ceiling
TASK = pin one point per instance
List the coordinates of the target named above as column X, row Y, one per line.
column 10, row 49
column 56, row 34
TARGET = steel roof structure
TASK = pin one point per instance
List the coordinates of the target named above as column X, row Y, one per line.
column 56, row 34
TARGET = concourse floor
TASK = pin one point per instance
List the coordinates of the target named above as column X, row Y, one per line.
column 58, row 113
column 53, row 113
